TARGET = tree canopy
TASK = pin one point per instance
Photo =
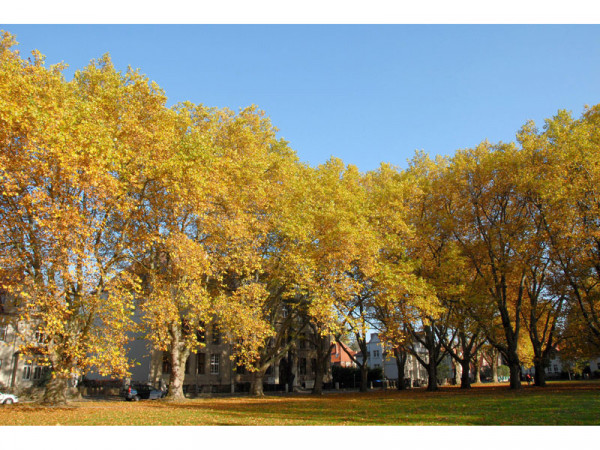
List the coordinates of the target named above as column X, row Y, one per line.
column 196, row 216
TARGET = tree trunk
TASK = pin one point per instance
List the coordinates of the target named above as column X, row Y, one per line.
column 256, row 385
column 541, row 360
column 465, row 379
column 364, row 377
column 323, row 355
column 477, row 369
column 319, row 372
column 401, row 365
column 456, row 365
column 178, row 360
column 515, row 374
column 56, row 390
column 432, row 384
column 494, row 357
column 540, row 373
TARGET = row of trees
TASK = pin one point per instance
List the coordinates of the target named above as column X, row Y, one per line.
column 113, row 203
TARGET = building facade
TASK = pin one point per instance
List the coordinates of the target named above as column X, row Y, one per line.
column 340, row 355
column 213, row 368
column 17, row 370
column 414, row 372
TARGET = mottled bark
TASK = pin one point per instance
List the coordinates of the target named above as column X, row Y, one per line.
column 178, row 358
column 56, row 390
column 495, row 367
column 456, row 377
column 256, row 384
column 477, row 369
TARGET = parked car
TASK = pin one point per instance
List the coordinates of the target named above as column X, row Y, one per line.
column 142, row 391
column 8, row 399
column 130, row 393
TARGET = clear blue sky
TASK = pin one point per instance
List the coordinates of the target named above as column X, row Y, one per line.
column 363, row 93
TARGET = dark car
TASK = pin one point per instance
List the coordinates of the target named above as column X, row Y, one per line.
column 142, row 391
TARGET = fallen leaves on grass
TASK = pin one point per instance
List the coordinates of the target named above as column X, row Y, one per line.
column 558, row 404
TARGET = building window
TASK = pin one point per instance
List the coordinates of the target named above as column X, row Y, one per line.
column 3, row 332
column 38, row 372
column 187, row 365
column 201, row 367
column 375, row 353
column 214, row 364
column 27, row 370
column 39, row 337
column 555, row 368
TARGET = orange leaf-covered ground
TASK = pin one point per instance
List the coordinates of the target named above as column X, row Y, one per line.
column 575, row 403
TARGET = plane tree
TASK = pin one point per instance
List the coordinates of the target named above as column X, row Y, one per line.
column 70, row 153
column 401, row 297
column 564, row 191
column 210, row 224
column 487, row 215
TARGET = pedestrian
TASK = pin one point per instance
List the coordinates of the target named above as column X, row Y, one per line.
column 528, row 377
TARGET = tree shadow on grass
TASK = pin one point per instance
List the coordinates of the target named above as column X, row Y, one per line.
column 489, row 405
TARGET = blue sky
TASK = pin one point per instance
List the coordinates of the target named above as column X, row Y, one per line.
column 363, row 93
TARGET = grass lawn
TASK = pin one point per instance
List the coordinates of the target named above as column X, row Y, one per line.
column 561, row 403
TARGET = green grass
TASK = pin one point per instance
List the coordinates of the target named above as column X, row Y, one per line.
column 574, row 403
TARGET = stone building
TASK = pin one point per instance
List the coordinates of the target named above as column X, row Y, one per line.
column 17, row 371
column 212, row 369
